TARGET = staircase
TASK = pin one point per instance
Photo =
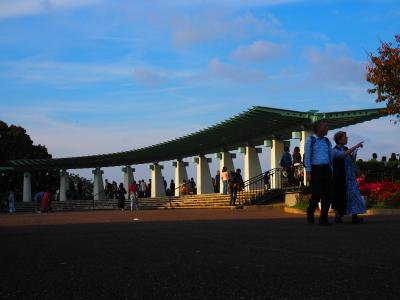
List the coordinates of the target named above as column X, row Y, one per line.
column 182, row 202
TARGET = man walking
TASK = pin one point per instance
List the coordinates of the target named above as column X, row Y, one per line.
column 318, row 164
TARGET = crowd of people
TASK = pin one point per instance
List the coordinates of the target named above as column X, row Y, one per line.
column 394, row 158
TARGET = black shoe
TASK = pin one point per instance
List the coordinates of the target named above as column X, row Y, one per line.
column 310, row 218
column 357, row 220
column 338, row 220
column 324, row 223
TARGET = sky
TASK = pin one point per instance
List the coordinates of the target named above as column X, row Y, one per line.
column 94, row 76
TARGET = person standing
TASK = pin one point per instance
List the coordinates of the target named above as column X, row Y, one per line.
column 217, row 182
column 45, row 202
column 236, row 184
column 286, row 164
column 143, row 188
column 121, row 196
column 133, row 196
column 318, row 165
column 347, row 198
column 172, row 187
column 37, row 199
column 225, row 179
column 297, row 166
column 192, row 186
column 11, row 203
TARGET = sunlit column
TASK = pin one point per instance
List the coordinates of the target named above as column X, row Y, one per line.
column 180, row 175
column 277, row 151
column 157, row 182
column 98, row 185
column 204, row 180
column 128, row 178
column 252, row 165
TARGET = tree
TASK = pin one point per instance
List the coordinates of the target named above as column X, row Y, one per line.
column 15, row 143
column 383, row 71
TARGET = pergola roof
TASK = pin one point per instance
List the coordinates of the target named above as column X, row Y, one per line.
column 250, row 127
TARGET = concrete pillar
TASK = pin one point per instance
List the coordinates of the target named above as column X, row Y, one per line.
column 27, row 190
column 277, row 151
column 226, row 159
column 128, row 178
column 64, row 184
column 252, row 166
column 180, row 175
column 157, row 183
column 98, row 185
column 304, row 135
column 204, row 180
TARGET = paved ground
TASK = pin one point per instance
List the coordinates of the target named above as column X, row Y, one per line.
column 196, row 254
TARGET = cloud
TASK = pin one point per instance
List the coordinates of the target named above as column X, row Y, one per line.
column 333, row 65
column 20, row 8
column 259, row 51
column 63, row 74
column 234, row 73
column 214, row 26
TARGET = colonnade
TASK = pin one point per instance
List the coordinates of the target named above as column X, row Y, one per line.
column 252, row 168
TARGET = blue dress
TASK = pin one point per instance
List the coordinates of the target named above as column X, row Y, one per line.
column 355, row 204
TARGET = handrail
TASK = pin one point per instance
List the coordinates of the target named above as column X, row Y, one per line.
column 255, row 187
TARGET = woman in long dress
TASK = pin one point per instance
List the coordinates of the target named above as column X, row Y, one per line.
column 347, row 197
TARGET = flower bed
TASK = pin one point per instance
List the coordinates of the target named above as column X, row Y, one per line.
column 381, row 194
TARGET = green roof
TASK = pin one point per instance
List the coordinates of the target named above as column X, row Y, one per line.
column 250, row 127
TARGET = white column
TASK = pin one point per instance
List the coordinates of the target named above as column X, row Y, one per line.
column 27, row 191
column 304, row 135
column 277, row 151
column 204, row 180
column 157, row 182
column 226, row 160
column 180, row 175
column 64, row 184
column 128, row 178
column 252, row 165
column 98, row 185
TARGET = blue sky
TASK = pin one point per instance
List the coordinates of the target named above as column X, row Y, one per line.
column 96, row 76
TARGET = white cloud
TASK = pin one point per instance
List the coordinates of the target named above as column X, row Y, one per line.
column 216, row 25
column 259, row 51
column 20, row 8
column 234, row 73
column 64, row 74
column 333, row 65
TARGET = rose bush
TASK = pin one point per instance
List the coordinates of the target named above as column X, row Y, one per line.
column 380, row 194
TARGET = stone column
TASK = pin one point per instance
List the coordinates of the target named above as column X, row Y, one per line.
column 64, row 184
column 157, row 183
column 226, row 159
column 252, row 165
column 180, row 175
column 204, row 181
column 304, row 135
column 27, row 190
column 277, row 151
column 128, row 178
column 98, row 185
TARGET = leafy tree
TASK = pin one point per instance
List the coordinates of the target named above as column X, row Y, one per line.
column 383, row 72
column 15, row 143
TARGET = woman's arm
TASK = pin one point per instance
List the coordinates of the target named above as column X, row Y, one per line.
column 352, row 149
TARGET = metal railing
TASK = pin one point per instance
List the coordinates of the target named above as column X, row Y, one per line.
column 270, row 185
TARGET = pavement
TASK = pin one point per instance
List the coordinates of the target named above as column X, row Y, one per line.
column 196, row 254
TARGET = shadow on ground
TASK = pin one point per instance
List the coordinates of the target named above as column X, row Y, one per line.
column 204, row 259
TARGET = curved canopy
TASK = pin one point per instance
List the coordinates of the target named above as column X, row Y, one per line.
column 250, row 127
